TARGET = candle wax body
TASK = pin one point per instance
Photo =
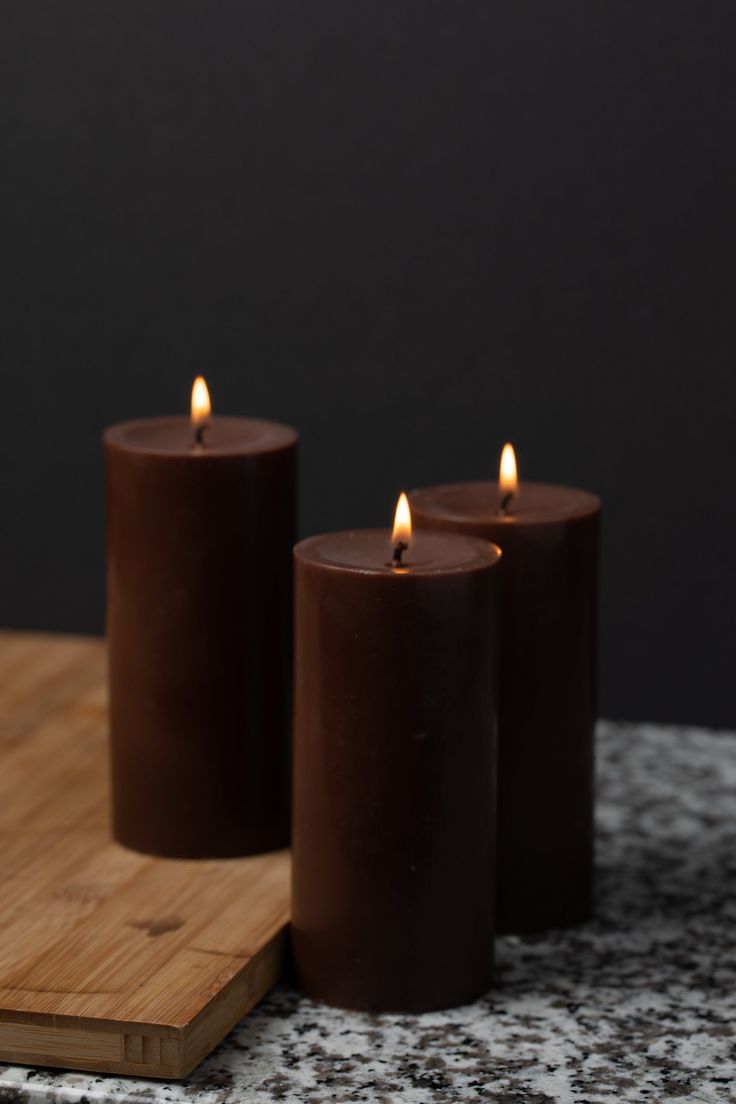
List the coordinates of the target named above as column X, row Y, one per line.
column 547, row 690
column 199, row 631
column 394, row 771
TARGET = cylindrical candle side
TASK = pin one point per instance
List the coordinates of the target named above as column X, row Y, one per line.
column 199, row 632
column 547, row 690
column 394, row 772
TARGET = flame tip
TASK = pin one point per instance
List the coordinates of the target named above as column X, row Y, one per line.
column 402, row 520
column 508, row 477
column 201, row 406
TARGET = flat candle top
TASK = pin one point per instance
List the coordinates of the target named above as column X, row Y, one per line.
column 222, row 436
column 369, row 552
column 535, row 503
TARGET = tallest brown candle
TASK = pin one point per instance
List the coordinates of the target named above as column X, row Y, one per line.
column 201, row 522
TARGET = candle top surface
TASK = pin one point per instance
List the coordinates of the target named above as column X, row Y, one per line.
column 534, row 504
column 222, row 436
column 369, row 552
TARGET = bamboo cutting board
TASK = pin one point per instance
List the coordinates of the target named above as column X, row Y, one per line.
column 109, row 960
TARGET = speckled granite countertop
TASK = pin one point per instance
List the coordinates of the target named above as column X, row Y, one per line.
column 638, row 1006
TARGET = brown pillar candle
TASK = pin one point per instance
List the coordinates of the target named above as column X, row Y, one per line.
column 394, row 769
column 547, row 689
column 201, row 523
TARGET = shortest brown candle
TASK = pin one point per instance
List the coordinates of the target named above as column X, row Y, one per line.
column 394, row 794
column 547, row 658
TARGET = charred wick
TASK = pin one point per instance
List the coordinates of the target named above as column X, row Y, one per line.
column 399, row 550
column 505, row 502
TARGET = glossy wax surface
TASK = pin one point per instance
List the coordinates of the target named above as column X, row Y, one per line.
column 199, row 631
column 394, row 771
column 370, row 551
column 221, row 437
column 473, row 506
column 547, row 689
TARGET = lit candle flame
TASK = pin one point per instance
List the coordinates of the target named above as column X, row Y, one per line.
column 402, row 522
column 201, row 406
column 508, row 479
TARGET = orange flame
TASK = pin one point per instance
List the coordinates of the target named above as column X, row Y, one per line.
column 402, row 521
column 508, row 479
column 201, row 406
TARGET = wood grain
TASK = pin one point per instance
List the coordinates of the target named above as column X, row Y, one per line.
column 109, row 960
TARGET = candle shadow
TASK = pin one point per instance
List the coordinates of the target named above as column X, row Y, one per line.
column 664, row 915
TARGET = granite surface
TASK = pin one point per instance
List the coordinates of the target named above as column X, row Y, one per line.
column 639, row 1005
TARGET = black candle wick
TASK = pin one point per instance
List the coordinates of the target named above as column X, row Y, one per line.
column 399, row 548
column 505, row 502
column 199, row 434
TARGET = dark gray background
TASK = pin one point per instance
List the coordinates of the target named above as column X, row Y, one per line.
column 413, row 229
